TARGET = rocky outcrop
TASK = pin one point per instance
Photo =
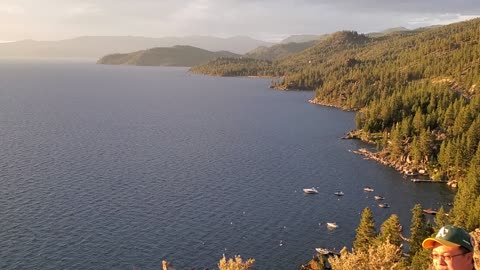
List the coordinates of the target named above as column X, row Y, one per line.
column 167, row 265
column 476, row 245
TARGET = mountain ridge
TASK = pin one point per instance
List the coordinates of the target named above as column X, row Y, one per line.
column 98, row 46
column 179, row 55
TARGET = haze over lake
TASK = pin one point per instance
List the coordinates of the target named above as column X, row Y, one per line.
column 109, row 167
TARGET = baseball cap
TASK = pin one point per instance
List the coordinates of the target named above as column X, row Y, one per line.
column 450, row 236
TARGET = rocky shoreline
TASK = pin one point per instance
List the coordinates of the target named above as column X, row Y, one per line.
column 321, row 103
column 403, row 165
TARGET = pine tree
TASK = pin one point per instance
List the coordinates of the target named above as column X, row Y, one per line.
column 440, row 219
column 421, row 260
column 365, row 231
column 468, row 192
column 390, row 230
column 425, row 142
column 419, row 230
column 418, row 121
column 396, row 142
column 473, row 219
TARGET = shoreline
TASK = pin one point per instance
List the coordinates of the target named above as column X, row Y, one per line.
column 402, row 165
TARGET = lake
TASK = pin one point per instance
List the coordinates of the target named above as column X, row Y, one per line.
column 115, row 167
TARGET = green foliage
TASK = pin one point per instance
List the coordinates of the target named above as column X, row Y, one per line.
column 279, row 51
column 235, row 67
column 185, row 56
column 390, row 231
column 420, row 88
column 441, row 219
column 382, row 256
column 421, row 260
column 365, row 231
column 419, row 230
column 467, row 203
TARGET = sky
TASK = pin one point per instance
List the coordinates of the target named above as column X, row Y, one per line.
column 269, row 20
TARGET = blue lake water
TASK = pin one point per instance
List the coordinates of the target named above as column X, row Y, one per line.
column 111, row 167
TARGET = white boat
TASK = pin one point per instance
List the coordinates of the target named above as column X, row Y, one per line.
column 322, row 251
column 368, row 189
column 326, row 252
column 384, row 205
column 339, row 193
column 332, row 225
column 310, row 190
column 378, row 198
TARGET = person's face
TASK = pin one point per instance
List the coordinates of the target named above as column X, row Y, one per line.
column 451, row 258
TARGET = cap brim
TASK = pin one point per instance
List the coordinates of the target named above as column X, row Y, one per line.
column 430, row 242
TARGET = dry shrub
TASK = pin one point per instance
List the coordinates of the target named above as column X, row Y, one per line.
column 385, row 256
column 235, row 264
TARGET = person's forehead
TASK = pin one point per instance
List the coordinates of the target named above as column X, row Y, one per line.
column 439, row 248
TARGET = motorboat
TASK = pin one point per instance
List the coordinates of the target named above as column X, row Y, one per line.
column 332, row 225
column 384, row 205
column 322, row 251
column 339, row 193
column 430, row 211
column 310, row 190
column 326, row 251
column 368, row 189
column 378, row 198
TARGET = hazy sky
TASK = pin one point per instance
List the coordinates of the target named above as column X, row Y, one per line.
column 264, row 19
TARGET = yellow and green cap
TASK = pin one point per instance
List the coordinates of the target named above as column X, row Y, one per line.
column 450, row 236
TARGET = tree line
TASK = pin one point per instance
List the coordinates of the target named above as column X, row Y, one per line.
column 416, row 95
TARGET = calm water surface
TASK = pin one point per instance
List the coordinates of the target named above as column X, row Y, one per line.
column 110, row 167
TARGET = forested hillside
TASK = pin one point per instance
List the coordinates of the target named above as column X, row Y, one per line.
column 416, row 93
column 279, row 51
column 184, row 56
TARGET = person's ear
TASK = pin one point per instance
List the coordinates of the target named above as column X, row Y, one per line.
column 469, row 256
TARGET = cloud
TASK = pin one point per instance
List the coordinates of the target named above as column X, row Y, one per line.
column 83, row 10
column 266, row 19
column 468, row 7
column 439, row 19
column 11, row 9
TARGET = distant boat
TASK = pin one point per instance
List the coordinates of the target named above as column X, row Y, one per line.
column 410, row 173
column 326, row 251
column 310, row 190
column 378, row 198
column 384, row 205
column 368, row 189
column 339, row 193
column 430, row 211
column 332, row 225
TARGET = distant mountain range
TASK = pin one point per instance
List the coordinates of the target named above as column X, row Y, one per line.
column 98, row 46
column 279, row 51
column 192, row 56
column 303, row 38
column 130, row 50
column 185, row 56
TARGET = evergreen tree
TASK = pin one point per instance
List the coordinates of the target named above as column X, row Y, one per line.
column 421, row 260
column 390, row 230
column 365, row 231
column 419, row 230
column 473, row 219
column 425, row 143
column 441, row 219
column 468, row 192
column 396, row 142
column 418, row 122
